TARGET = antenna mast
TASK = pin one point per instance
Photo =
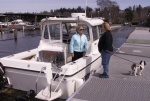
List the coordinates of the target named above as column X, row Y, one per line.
column 85, row 7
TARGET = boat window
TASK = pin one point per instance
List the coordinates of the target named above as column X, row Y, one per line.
column 54, row 31
column 100, row 30
column 46, row 33
column 95, row 33
column 68, row 29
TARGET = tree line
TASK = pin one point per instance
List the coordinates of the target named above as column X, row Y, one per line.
column 108, row 9
column 111, row 11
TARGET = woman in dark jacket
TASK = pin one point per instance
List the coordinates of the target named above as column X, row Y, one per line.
column 105, row 48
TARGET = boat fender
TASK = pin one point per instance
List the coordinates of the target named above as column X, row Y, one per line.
column 2, row 69
column 79, row 82
column 48, row 74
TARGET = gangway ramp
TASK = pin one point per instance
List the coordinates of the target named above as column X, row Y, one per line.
column 98, row 89
column 121, row 86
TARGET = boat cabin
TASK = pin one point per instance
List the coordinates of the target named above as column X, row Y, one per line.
column 57, row 33
column 18, row 21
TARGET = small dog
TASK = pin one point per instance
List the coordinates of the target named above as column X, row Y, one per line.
column 136, row 69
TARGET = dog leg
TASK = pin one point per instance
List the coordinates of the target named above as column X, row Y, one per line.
column 139, row 72
column 135, row 74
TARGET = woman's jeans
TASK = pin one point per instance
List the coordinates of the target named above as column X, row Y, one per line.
column 77, row 55
column 105, row 62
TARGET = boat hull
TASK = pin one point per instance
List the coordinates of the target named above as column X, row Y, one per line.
column 25, row 79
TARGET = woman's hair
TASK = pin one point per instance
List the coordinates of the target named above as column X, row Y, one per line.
column 78, row 27
column 106, row 26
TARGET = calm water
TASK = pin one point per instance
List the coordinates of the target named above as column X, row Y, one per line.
column 26, row 40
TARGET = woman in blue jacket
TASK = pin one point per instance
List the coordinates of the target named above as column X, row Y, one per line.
column 78, row 44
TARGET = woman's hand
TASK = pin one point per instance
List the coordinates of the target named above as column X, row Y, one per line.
column 72, row 54
column 84, row 54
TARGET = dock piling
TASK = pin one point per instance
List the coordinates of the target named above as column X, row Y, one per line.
column 15, row 34
column 1, row 30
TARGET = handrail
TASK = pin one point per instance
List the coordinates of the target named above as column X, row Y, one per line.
column 61, row 80
column 43, row 68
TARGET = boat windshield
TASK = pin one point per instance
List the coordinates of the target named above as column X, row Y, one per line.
column 52, row 32
column 63, row 32
column 69, row 29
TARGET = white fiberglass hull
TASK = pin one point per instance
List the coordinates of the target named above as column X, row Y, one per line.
column 23, row 74
column 25, row 80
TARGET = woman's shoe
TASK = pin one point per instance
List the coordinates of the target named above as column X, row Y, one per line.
column 103, row 76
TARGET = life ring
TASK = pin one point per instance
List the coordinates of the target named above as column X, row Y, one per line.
column 2, row 69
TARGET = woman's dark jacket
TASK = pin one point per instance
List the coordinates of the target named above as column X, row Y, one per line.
column 105, row 42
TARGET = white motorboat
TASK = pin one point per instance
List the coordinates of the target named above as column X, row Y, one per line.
column 48, row 69
column 17, row 24
column 4, row 25
column 21, row 25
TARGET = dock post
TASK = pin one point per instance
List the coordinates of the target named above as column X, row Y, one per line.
column 1, row 30
column 23, row 28
column 15, row 34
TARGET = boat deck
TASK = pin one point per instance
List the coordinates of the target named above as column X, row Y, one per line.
column 121, row 86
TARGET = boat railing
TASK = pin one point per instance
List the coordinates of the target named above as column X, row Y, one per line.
column 43, row 68
column 47, row 93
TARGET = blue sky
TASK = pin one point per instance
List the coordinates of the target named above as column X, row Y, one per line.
column 41, row 5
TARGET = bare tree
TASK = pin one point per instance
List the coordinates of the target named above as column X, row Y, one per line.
column 105, row 4
column 102, row 4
